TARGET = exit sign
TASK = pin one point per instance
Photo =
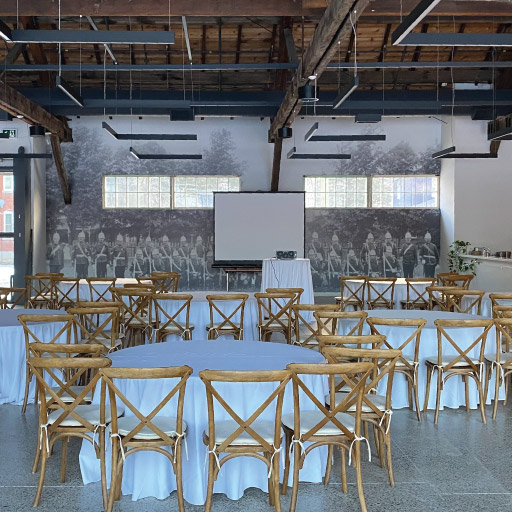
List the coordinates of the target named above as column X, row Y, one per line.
column 12, row 133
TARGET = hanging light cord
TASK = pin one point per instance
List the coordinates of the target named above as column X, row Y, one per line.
column 355, row 43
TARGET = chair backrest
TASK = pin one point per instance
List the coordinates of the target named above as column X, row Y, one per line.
column 447, row 341
column 350, row 323
column 503, row 341
column 409, row 335
column 383, row 361
column 251, row 411
column 99, row 288
column 10, row 297
column 441, row 275
column 381, row 291
column 140, row 286
column 353, row 376
column 465, row 301
column 275, row 308
column 172, row 312
column 460, row 280
column 437, row 297
column 502, row 311
column 110, row 378
column 40, row 290
column 296, row 291
column 305, row 329
column 417, row 293
column 500, row 299
column 352, row 291
column 227, row 319
column 67, row 291
column 362, row 341
column 96, row 324
column 157, row 282
column 171, row 280
column 136, row 309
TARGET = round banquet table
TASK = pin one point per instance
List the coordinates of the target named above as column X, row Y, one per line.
column 453, row 393
column 150, row 474
column 13, row 354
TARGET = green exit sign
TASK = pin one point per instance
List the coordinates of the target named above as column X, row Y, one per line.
column 12, row 133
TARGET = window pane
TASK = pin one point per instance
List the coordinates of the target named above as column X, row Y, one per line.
column 405, row 192
column 165, row 184
column 165, row 201
column 110, row 184
column 198, row 192
column 143, row 184
column 132, row 191
column 121, row 200
column 121, row 184
column 143, row 200
column 131, row 200
column 154, row 184
column 154, row 200
column 131, row 184
column 110, row 200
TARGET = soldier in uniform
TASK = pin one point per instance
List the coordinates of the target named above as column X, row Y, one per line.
column 81, row 256
column 353, row 267
column 166, row 251
column 101, row 256
column 316, row 246
column 119, row 257
column 200, row 251
column 370, row 257
column 55, row 254
column 389, row 257
column 318, row 268
column 147, row 251
column 429, row 255
column 409, row 256
column 157, row 262
column 139, row 266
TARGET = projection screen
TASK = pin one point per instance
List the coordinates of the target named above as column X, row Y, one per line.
column 252, row 226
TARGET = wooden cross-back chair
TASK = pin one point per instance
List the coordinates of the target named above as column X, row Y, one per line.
column 136, row 314
column 306, row 330
column 224, row 322
column 410, row 330
column 350, row 323
column 171, row 282
column 437, row 297
column 462, row 363
column 67, row 292
column 354, row 341
column 157, row 282
column 246, row 435
column 31, row 325
column 459, row 280
column 144, row 428
column 328, row 424
column 10, row 297
column 499, row 360
column 417, row 293
column 381, row 292
column 40, row 292
column 376, row 407
column 274, row 314
column 100, row 288
column 441, row 275
column 465, row 301
column 296, row 291
column 352, row 292
column 97, row 325
column 172, row 315
column 500, row 299
column 61, row 419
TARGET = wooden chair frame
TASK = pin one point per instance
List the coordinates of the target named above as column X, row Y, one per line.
column 167, row 323
column 456, row 296
column 49, row 433
column 437, row 297
column 457, row 280
column 417, row 299
column 461, row 364
column 40, row 291
column 227, row 324
column 328, row 322
column 67, row 292
column 171, row 280
column 270, row 451
column 380, row 299
column 356, row 293
column 10, row 297
column 97, row 295
column 404, row 365
column 496, row 299
column 344, row 440
column 363, row 341
column 28, row 322
column 125, row 445
column 270, row 321
column 310, row 329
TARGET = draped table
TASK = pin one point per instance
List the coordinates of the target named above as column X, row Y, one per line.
column 13, row 354
column 149, row 474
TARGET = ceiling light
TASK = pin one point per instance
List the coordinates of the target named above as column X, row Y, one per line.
column 415, row 16
column 308, row 93
column 443, row 152
column 345, row 92
column 293, row 155
column 69, row 91
column 147, row 136
column 164, row 156
column 5, row 32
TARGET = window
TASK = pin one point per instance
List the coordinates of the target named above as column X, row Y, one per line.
column 147, row 192
column 405, row 192
column 8, row 222
column 197, row 191
column 336, row 191
column 8, row 182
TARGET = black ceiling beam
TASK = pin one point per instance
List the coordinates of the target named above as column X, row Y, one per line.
column 162, row 156
column 147, row 136
column 455, row 39
column 415, row 16
column 293, row 155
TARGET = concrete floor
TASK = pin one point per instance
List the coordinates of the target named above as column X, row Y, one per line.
column 459, row 465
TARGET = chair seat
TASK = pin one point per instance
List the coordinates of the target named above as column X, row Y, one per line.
column 223, row 429
column 90, row 413
column 166, row 424
column 446, row 360
column 504, row 357
column 175, row 330
column 378, row 400
column 67, row 398
column 274, row 325
column 401, row 364
column 308, row 419
column 227, row 327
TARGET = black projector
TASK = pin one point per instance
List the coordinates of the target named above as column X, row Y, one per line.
column 286, row 255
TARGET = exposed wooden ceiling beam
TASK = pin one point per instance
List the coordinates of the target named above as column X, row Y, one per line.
column 334, row 26
column 61, row 170
column 18, row 105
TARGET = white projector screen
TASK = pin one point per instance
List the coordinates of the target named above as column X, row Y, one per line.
column 252, row 226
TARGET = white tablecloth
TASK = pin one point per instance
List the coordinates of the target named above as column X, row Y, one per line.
column 148, row 474
column 453, row 392
column 13, row 355
column 289, row 274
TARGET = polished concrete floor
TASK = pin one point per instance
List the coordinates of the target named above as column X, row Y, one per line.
column 459, row 465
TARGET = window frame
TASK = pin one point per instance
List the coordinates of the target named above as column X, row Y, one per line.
column 11, row 213
column 326, row 176
column 10, row 176
column 173, row 187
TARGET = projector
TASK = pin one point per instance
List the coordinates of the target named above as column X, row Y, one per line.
column 286, row 255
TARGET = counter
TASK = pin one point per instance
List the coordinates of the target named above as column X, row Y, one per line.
column 492, row 274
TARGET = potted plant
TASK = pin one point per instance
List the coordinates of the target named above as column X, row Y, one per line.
column 456, row 262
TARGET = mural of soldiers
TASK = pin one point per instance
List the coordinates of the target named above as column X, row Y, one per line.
column 389, row 257
column 183, row 249
column 353, row 266
column 370, row 257
column 147, row 251
column 55, row 254
column 195, row 269
column 101, row 256
column 157, row 263
column 429, row 255
column 139, row 266
column 119, row 257
column 409, row 256
column 63, row 228
column 166, row 252
column 199, row 247
column 318, row 268
column 315, row 244
column 177, row 264
column 81, row 256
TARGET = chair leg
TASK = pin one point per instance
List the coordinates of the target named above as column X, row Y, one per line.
column 103, row 467
column 179, row 474
column 287, row 443
column 438, row 395
column 36, row 457
column 63, row 459
column 427, row 388
column 44, row 458
column 209, row 489
column 387, row 441
column 270, row 482
column 482, row 400
column 295, row 488
column 466, row 392
column 113, row 478
column 328, row 465
column 496, row 393
column 416, row 397
column 409, row 392
column 344, row 486
column 28, row 378
column 359, row 476
column 275, row 483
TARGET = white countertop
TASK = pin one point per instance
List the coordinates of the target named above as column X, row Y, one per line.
column 487, row 258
